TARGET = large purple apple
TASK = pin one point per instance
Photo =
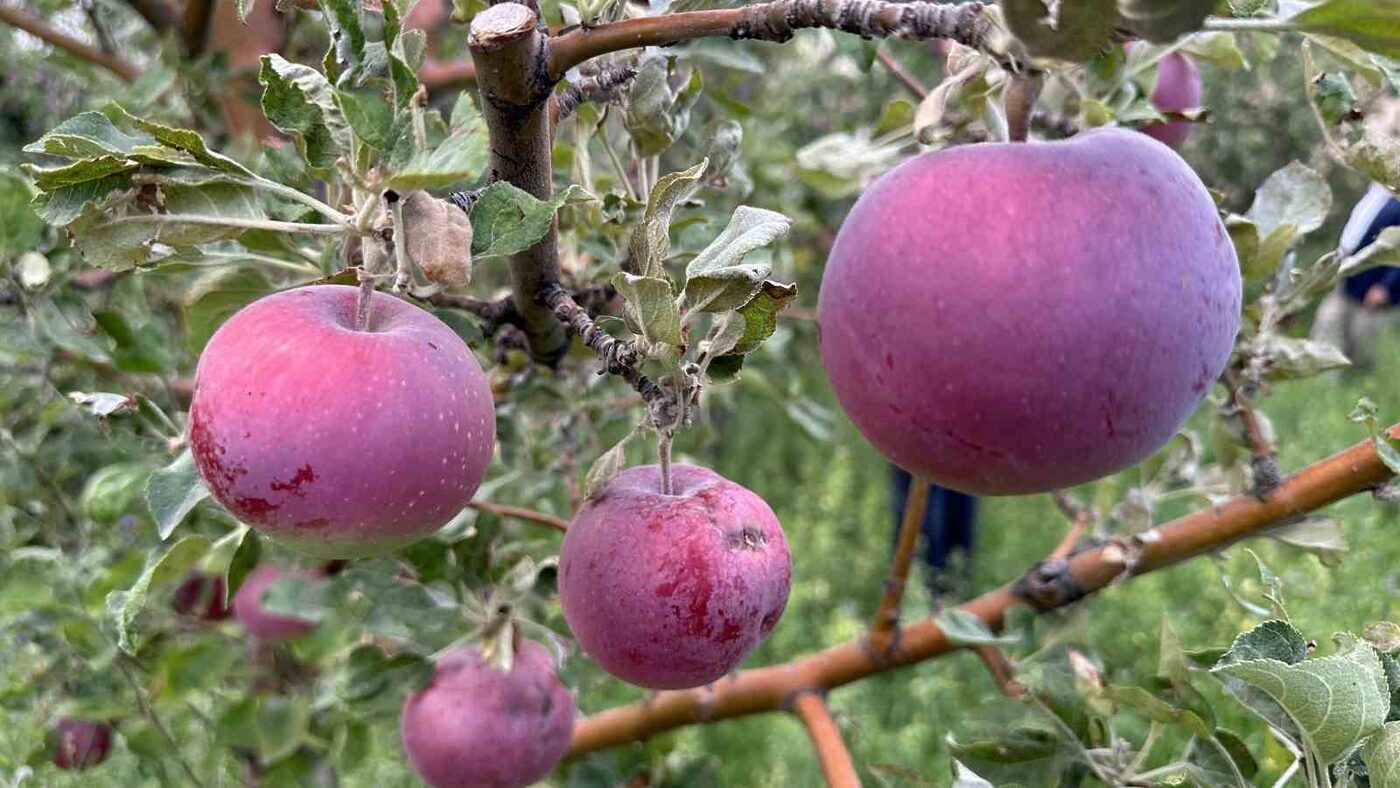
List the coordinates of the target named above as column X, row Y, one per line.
column 82, row 744
column 476, row 726
column 1015, row 318
column 336, row 442
column 673, row 591
column 248, row 604
column 1178, row 88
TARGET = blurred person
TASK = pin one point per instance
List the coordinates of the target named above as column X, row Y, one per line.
column 945, row 535
column 1353, row 315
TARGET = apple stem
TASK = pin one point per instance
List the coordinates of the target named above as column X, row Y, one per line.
column 1019, row 97
column 363, row 303
column 663, row 445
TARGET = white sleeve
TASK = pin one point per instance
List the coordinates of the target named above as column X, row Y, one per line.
column 1362, row 217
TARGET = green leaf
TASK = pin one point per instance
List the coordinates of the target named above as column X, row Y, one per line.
column 138, row 348
column 173, row 492
column 1293, row 195
column 80, row 171
column 22, row 228
column 1378, row 159
column 216, row 296
column 962, row 628
column 123, row 235
column 272, row 726
column 86, row 135
column 650, row 309
column 1076, row 32
column 161, row 568
column 1373, row 25
column 66, row 203
column 1164, row 20
column 182, row 140
column 656, row 116
column 718, row 279
column 1275, row 640
column 298, row 100
column 507, row 220
column 109, row 493
column 1295, row 358
column 1219, row 49
column 1336, row 701
column 1141, row 701
column 760, row 315
column 369, row 672
column 460, row 157
column 1382, row 756
column 651, row 239
column 608, row 465
column 1321, row 536
column 369, row 115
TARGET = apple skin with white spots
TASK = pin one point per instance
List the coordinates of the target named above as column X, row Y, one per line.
column 673, row 591
column 1007, row 319
column 476, row 726
column 335, row 442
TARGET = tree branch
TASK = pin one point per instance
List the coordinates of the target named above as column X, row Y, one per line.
column 897, row 70
column 46, row 32
column 884, row 630
column 602, row 83
column 1263, row 462
column 964, row 22
column 1003, row 672
column 1354, row 470
column 508, row 49
column 835, row 759
column 520, row 513
column 437, row 75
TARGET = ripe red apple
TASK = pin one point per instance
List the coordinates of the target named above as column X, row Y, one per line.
column 1015, row 318
column 673, row 591
column 82, row 744
column 248, row 604
column 476, row 726
column 1178, row 88
column 336, row 442
column 202, row 596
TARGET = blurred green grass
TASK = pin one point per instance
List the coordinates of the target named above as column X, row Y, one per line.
column 832, row 497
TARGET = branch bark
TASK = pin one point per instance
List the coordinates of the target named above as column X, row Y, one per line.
column 1354, row 470
column 835, row 759
column 885, row 629
column 964, row 22
column 508, row 49
column 33, row 25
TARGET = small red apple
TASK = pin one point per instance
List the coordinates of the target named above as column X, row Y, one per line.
column 673, row 591
column 1006, row 319
column 1178, row 88
column 248, row 604
column 476, row 726
column 202, row 596
column 82, row 744
column 336, row 442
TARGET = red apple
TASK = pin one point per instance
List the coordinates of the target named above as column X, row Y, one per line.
column 1015, row 318
column 202, row 596
column 1178, row 88
column 82, row 744
column 476, row 726
column 337, row 442
column 673, row 591
column 248, row 604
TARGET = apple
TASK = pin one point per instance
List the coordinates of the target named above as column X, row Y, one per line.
column 82, row 744
column 1178, row 88
column 476, row 725
column 202, row 596
column 248, row 604
column 673, row 591
column 1015, row 318
column 336, row 442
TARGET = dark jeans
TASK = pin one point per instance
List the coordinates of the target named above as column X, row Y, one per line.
column 945, row 535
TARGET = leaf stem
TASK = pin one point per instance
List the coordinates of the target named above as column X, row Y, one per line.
column 296, row 195
column 224, row 221
column 1250, row 25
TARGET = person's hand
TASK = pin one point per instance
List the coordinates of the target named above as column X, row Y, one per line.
column 1377, row 297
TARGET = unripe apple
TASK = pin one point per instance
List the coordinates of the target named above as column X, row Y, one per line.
column 476, row 726
column 1178, row 88
column 248, row 604
column 82, row 744
column 201, row 596
column 1015, row 318
column 673, row 591
column 337, row 442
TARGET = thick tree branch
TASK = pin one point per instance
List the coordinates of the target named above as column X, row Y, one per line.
column 33, row 25
column 508, row 49
column 835, row 759
column 964, row 22
column 520, row 513
column 884, row 634
column 1354, row 470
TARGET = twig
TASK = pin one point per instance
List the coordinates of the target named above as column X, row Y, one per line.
column 897, row 70
column 884, row 630
column 1351, row 471
column 835, row 759
column 1263, row 462
column 520, row 513
column 1003, row 672
column 603, row 83
column 964, row 22
column 44, row 31
column 156, row 723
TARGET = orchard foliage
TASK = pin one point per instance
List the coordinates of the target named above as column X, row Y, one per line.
column 675, row 207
